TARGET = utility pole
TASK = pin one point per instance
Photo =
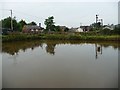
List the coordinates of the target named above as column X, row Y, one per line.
column 102, row 22
column 80, row 24
column 96, row 18
column 11, row 20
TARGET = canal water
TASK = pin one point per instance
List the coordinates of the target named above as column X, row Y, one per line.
column 60, row 64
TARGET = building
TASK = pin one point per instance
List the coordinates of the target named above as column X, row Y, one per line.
column 76, row 30
column 32, row 29
column 5, row 31
column 79, row 30
column 64, row 28
column 86, row 28
column 109, row 27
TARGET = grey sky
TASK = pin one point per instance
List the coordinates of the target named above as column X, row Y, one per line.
column 119, row 12
column 70, row 14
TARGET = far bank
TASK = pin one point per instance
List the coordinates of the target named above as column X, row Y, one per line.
column 23, row 37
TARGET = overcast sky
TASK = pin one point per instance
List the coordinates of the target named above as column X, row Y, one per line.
column 70, row 14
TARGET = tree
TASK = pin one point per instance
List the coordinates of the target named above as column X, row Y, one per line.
column 57, row 28
column 32, row 23
column 21, row 24
column 49, row 24
column 6, row 23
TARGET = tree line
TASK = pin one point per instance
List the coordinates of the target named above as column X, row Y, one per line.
column 17, row 25
column 51, row 27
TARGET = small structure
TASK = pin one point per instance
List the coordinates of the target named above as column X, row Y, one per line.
column 108, row 27
column 76, row 30
column 86, row 28
column 64, row 28
column 79, row 30
column 32, row 29
column 5, row 31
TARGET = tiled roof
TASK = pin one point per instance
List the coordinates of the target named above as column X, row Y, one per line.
column 32, row 27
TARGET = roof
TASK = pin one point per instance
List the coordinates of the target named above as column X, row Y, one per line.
column 32, row 27
column 63, row 27
column 110, row 28
column 76, row 29
column 79, row 30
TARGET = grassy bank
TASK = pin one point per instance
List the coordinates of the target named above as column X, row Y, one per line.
column 22, row 37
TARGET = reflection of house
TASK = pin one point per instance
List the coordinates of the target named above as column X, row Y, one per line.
column 32, row 29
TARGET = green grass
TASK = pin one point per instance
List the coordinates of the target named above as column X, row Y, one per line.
column 22, row 37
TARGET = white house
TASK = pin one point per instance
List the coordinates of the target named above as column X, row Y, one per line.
column 79, row 30
column 108, row 27
column 76, row 30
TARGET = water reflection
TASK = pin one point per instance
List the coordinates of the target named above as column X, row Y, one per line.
column 13, row 48
column 60, row 64
column 98, row 50
column 50, row 48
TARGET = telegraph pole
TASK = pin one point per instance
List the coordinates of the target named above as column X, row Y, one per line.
column 11, row 20
column 102, row 21
column 96, row 18
column 80, row 24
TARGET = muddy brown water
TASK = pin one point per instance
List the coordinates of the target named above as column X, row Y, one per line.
column 60, row 64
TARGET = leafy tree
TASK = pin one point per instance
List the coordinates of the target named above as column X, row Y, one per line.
column 96, row 26
column 117, row 29
column 21, row 24
column 57, row 28
column 15, row 25
column 32, row 23
column 49, row 24
column 6, row 23
column 66, row 29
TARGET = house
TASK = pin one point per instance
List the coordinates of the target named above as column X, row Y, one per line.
column 5, row 31
column 64, row 28
column 109, row 27
column 79, row 30
column 32, row 29
column 86, row 28
column 76, row 30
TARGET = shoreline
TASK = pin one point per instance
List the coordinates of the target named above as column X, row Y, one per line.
column 24, row 37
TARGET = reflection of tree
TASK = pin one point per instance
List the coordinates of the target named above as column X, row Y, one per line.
column 14, row 47
column 50, row 48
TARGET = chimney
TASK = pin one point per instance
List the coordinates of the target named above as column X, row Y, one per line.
column 39, row 24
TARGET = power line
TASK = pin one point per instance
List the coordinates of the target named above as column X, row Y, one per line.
column 23, row 13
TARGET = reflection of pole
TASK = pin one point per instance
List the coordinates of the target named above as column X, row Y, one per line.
column 101, row 49
column 15, row 58
column 11, row 20
column 96, row 51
